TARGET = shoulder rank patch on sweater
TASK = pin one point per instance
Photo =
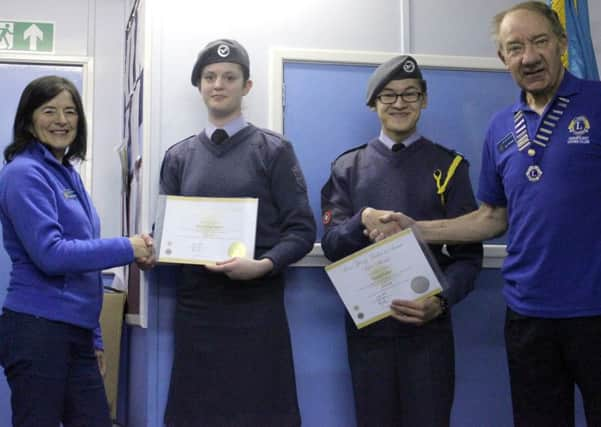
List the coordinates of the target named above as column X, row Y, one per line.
column 351, row 150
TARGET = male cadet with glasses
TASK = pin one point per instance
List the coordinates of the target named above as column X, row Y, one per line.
column 403, row 366
column 541, row 181
column 233, row 358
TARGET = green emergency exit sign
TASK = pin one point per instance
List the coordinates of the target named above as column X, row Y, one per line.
column 26, row 36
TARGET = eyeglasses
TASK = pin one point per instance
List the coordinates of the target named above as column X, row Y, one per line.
column 390, row 98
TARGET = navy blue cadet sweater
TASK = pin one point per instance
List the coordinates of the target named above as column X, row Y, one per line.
column 257, row 163
column 375, row 176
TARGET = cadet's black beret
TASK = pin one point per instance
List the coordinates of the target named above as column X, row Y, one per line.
column 222, row 50
column 397, row 68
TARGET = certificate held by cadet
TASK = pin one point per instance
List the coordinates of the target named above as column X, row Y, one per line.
column 204, row 230
column 394, row 268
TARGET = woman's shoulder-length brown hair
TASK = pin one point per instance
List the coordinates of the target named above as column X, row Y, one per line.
column 37, row 93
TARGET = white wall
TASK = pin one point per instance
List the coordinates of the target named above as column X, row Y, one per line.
column 94, row 28
column 107, row 49
column 436, row 27
column 187, row 26
column 594, row 10
column 70, row 19
column 181, row 28
column 464, row 27
column 91, row 29
column 454, row 28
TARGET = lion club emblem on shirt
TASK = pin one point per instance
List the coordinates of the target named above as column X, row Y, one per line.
column 326, row 217
column 579, row 128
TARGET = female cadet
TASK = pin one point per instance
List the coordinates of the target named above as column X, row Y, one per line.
column 233, row 362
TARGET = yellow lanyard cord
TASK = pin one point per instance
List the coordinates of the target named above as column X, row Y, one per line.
column 438, row 177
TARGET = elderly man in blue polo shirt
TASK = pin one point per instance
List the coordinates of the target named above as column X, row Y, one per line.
column 540, row 181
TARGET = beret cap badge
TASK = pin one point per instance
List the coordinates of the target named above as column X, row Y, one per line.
column 223, row 50
column 220, row 50
column 397, row 68
column 409, row 66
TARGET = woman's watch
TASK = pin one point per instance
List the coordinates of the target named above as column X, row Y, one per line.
column 444, row 304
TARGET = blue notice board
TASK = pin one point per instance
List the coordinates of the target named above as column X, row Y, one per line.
column 325, row 113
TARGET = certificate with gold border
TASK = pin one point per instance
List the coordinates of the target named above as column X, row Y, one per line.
column 394, row 268
column 204, row 230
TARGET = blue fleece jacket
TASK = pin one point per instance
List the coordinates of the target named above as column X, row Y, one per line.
column 51, row 232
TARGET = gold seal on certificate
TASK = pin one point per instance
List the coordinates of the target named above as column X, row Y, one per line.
column 394, row 268
column 205, row 230
column 237, row 250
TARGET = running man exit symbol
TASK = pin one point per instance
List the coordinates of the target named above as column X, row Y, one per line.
column 26, row 36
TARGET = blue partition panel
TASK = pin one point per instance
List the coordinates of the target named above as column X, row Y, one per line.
column 325, row 113
column 316, row 319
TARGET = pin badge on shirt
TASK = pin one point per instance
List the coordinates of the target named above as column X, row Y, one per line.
column 69, row 194
column 505, row 142
column 534, row 173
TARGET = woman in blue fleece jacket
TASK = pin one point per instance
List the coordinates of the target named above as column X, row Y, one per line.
column 50, row 341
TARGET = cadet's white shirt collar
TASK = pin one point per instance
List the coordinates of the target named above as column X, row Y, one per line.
column 389, row 142
column 233, row 127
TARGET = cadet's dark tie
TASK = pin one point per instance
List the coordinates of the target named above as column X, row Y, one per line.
column 219, row 136
column 398, row 146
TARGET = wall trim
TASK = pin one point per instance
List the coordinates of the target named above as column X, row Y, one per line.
column 493, row 257
column 405, row 30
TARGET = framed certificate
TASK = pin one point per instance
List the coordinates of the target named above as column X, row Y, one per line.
column 394, row 268
column 204, row 230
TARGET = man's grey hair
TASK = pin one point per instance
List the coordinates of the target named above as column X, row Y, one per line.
column 534, row 6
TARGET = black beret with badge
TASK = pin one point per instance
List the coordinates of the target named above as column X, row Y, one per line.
column 222, row 50
column 397, row 68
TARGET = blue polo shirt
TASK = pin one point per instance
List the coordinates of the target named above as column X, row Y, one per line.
column 553, row 267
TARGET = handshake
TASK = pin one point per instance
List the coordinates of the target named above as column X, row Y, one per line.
column 143, row 247
column 380, row 224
